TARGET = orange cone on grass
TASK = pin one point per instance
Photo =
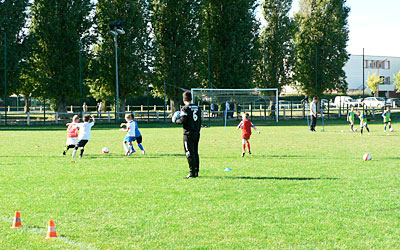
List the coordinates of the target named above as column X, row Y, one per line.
column 51, row 233
column 17, row 220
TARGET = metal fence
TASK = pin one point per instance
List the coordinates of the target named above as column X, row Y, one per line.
column 286, row 110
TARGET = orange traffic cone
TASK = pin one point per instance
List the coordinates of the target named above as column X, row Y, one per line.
column 17, row 220
column 51, row 233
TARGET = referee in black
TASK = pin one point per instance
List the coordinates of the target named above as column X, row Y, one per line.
column 190, row 117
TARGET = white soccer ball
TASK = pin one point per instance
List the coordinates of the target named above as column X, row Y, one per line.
column 176, row 116
column 105, row 150
column 355, row 129
column 391, row 129
column 367, row 157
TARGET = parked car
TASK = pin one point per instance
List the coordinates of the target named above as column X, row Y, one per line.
column 393, row 102
column 374, row 102
column 326, row 102
column 342, row 101
column 354, row 102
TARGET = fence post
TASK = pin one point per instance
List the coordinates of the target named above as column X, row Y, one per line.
column 328, row 107
column 9, row 109
column 28, row 118
column 158, row 115
column 128, row 108
column 284, row 113
column 155, row 108
column 141, row 108
column 109, row 117
column 0, row 118
column 56, row 117
column 291, row 108
column 373, row 112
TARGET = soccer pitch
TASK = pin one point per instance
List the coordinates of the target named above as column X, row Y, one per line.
column 299, row 190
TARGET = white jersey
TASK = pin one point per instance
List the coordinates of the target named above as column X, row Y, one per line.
column 313, row 109
column 131, row 126
column 85, row 130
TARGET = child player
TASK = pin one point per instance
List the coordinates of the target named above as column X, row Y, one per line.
column 350, row 118
column 363, row 121
column 72, row 134
column 133, row 134
column 85, row 129
column 386, row 118
column 246, row 126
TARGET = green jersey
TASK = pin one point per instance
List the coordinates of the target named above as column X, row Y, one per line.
column 351, row 116
column 363, row 119
column 386, row 116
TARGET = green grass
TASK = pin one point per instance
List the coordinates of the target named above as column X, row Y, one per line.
column 299, row 190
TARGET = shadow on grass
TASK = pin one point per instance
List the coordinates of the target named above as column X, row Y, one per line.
column 269, row 178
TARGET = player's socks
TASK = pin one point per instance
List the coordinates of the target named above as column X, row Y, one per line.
column 390, row 126
column 132, row 149
column 248, row 146
column 244, row 147
column 352, row 127
column 367, row 129
column 74, row 153
column 362, row 130
column 125, row 147
column 384, row 130
column 141, row 147
column 81, row 154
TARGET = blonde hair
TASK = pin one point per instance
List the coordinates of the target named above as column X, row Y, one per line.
column 75, row 117
column 129, row 116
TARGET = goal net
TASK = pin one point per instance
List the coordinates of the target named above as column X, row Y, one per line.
column 260, row 104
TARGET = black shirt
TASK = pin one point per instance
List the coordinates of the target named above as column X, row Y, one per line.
column 191, row 119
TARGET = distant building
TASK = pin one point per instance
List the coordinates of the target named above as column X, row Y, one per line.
column 384, row 66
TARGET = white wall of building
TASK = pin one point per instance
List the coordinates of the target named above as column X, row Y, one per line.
column 384, row 65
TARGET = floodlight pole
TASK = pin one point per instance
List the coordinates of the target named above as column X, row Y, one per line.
column 316, row 71
column 5, row 76
column 80, row 74
column 363, row 70
column 116, row 77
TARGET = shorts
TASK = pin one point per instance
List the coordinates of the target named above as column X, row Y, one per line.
column 129, row 139
column 351, row 122
column 364, row 125
column 246, row 136
column 72, row 141
column 82, row 143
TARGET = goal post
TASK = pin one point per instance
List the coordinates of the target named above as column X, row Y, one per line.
column 259, row 102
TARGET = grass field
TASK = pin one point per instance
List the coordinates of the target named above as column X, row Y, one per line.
column 299, row 190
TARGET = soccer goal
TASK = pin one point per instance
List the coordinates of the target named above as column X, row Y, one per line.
column 261, row 104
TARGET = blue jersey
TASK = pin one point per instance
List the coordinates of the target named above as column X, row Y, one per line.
column 137, row 132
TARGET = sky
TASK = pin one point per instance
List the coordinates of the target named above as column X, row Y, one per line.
column 374, row 25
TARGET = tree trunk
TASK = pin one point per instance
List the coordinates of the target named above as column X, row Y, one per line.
column 62, row 108
column 27, row 104
column 174, row 103
column 122, row 105
column 104, row 107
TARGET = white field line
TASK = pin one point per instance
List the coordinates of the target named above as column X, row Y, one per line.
column 38, row 230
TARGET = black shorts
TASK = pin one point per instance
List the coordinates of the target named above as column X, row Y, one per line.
column 81, row 143
column 139, row 139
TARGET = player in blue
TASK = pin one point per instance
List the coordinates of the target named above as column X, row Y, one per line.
column 133, row 134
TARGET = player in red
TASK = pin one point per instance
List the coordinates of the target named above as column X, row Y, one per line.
column 246, row 126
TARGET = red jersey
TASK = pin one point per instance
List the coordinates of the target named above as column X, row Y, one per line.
column 246, row 126
column 72, row 131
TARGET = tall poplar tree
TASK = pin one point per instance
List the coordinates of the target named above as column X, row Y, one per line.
column 13, row 14
column 177, row 25
column 232, row 34
column 57, row 27
column 132, row 50
column 277, row 44
column 321, row 43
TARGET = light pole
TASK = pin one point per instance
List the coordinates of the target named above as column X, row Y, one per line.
column 80, row 73
column 5, row 76
column 116, row 29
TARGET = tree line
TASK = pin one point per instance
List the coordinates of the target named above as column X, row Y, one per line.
column 62, row 51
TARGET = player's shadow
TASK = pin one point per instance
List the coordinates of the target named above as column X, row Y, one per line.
column 270, row 178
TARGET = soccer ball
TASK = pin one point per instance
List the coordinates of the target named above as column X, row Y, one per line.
column 355, row 130
column 367, row 157
column 391, row 129
column 105, row 150
column 176, row 115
